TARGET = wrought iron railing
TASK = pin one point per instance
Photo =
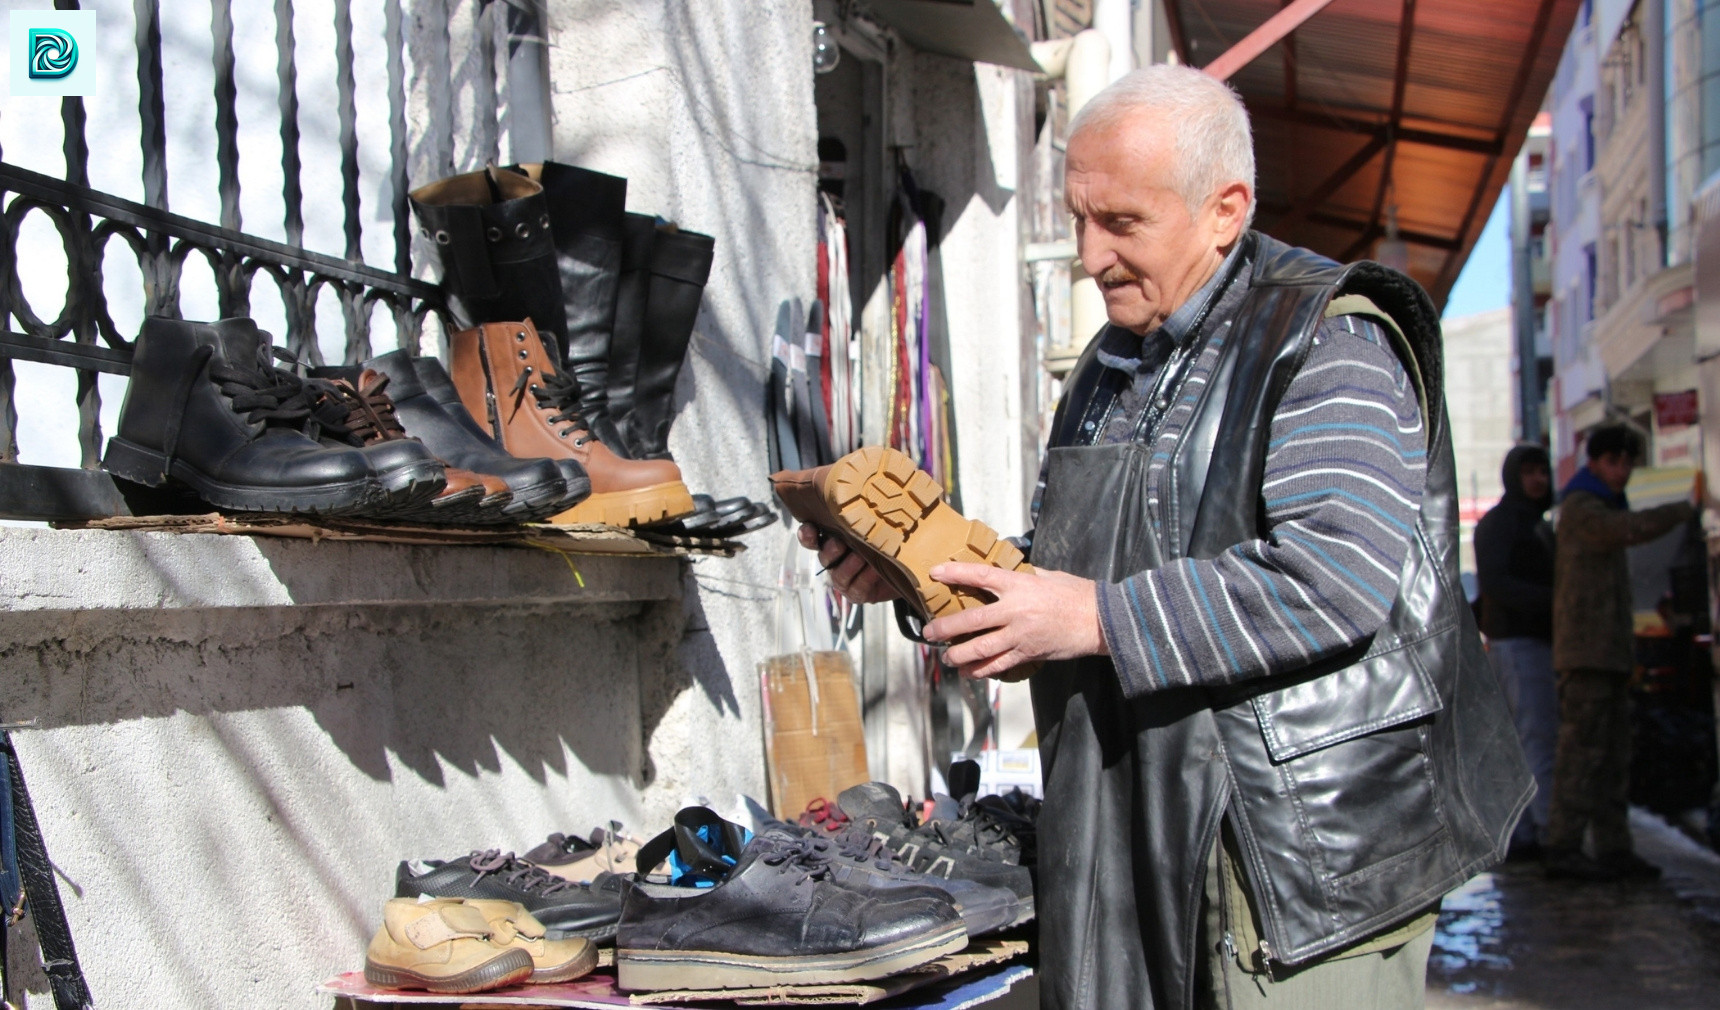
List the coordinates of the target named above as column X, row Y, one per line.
column 85, row 337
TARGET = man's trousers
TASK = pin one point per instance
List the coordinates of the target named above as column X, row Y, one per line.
column 1591, row 772
column 1525, row 668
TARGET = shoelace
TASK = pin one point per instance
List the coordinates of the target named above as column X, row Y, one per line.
column 517, row 873
column 558, row 392
column 263, row 393
column 365, row 414
column 798, row 855
column 987, row 827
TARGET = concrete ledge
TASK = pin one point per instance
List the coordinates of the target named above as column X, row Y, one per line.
column 55, row 570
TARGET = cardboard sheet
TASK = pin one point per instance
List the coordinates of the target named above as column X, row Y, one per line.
column 814, row 742
column 586, row 538
column 971, row 978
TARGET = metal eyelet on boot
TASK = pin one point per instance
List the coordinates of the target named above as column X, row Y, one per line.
column 520, row 336
column 443, row 238
column 424, row 232
column 523, row 230
column 543, row 222
column 525, row 355
column 494, row 234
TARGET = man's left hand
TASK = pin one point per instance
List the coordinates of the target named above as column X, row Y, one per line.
column 1038, row 615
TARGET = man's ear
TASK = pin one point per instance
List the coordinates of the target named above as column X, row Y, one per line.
column 1227, row 212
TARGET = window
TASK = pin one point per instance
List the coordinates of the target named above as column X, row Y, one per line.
column 1591, row 274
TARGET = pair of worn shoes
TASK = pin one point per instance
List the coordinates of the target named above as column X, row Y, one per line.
column 566, row 908
column 965, row 844
column 453, row 945
column 737, row 910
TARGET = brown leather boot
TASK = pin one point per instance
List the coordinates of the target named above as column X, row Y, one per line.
column 506, row 378
column 894, row 515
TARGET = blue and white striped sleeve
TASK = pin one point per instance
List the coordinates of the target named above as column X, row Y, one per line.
column 1342, row 488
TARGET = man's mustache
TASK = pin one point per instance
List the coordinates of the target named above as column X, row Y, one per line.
column 1117, row 273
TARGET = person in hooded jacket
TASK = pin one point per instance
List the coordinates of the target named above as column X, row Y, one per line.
column 1593, row 650
column 1514, row 564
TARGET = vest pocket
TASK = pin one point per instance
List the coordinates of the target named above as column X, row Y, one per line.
column 1376, row 693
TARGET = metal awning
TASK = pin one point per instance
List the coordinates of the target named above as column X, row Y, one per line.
column 966, row 29
column 1369, row 103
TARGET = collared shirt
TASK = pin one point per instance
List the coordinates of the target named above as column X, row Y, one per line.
column 1145, row 356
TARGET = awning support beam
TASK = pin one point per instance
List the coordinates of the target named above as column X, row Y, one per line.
column 1263, row 38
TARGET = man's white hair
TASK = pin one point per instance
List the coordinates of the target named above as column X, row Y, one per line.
column 1213, row 144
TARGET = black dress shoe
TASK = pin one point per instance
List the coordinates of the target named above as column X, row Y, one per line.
column 538, row 487
column 565, row 908
column 206, row 408
column 766, row 913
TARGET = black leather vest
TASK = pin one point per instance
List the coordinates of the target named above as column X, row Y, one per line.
column 1361, row 789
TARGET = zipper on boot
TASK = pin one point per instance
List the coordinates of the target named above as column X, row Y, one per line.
column 489, row 383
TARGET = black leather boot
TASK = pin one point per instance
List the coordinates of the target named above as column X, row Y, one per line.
column 205, row 407
column 586, row 211
column 639, row 238
column 540, row 488
column 492, row 236
column 680, row 263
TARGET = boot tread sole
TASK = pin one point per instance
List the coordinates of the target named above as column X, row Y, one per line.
column 644, row 506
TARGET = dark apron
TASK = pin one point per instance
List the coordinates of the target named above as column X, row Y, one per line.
column 1134, row 791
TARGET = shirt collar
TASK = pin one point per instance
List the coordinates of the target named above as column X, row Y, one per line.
column 1118, row 348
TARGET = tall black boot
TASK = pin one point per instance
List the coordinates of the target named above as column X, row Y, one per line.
column 586, row 211
column 492, row 234
column 640, row 237
column 680, row 263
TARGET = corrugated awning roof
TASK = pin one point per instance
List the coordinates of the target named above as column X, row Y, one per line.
column 1434, row 96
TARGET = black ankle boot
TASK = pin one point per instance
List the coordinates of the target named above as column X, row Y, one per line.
column 205, row 407
column 680, row 263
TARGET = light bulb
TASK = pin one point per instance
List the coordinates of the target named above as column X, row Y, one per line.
column 825, row 52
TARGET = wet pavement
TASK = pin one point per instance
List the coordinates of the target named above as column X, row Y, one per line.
column 1513, row 940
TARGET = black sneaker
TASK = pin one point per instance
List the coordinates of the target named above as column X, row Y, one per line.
column 737, row 913
column 565, row 908
column 858, row 860
column 933, row 848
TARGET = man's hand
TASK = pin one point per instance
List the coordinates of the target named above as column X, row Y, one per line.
column 853, row 577
column 1038, row 615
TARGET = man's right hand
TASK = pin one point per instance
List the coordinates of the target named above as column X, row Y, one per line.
column 849, row 573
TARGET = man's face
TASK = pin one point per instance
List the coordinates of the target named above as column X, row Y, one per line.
column 1535, row 480
column 1133, row 231
column 1613, row 469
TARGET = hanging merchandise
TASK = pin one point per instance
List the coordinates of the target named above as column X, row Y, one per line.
column 919, row 421
column 839, row 353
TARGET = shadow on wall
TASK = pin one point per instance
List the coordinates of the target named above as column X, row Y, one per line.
column 433, row 685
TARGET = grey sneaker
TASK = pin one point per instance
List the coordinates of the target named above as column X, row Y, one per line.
column 739, row 913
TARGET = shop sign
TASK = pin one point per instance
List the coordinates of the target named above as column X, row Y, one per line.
column 1673, row 410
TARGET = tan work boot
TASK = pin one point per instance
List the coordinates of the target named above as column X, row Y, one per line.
column 552, row 960
column 505, row 376
column 894, row 515
column 441, row 946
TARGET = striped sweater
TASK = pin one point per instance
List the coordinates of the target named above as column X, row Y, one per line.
column 1342, row 487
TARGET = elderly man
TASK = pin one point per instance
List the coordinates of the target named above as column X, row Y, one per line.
column 1270, row 737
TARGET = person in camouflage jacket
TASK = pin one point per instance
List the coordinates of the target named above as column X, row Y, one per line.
column 1594, row 655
